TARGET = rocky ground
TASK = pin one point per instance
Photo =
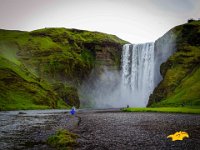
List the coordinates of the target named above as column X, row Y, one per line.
column 99, row 129
column 119, row 130
column 30, row 129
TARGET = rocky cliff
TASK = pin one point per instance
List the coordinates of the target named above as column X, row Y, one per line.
column 181, row 72
column 44, row 68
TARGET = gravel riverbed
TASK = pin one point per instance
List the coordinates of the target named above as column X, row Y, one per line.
column 136, row 131
column 30, row 129
column 99, row 129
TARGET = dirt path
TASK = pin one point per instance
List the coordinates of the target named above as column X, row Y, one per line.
column 98, row 130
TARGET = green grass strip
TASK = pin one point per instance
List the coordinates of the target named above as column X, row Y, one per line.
column 165, row 110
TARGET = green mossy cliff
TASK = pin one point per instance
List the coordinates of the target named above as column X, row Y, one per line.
column 43, row 68
column 181, row 72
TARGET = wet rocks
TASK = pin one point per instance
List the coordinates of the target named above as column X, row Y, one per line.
column 30, row 129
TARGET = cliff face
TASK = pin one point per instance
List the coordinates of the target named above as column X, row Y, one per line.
column 164, row 47
column 181, row 72
column 49, row 64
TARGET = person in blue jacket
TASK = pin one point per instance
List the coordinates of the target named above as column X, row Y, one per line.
column 73, row 111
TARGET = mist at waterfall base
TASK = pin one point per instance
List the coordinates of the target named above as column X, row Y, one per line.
column 103, row 90
column 133, row 84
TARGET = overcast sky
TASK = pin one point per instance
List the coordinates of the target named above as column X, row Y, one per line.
column 136, row 21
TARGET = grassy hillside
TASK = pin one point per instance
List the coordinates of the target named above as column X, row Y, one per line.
column 22, row 90
column 181, row 73
column 43, row 68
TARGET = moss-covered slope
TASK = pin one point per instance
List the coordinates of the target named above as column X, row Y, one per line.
column 43, row 68
column 22, row 90
column 181, row 73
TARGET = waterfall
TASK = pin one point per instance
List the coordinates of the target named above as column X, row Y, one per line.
column 133, row 84
column 137, row 73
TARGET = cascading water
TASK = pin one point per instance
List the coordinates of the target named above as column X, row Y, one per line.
column 138, row 72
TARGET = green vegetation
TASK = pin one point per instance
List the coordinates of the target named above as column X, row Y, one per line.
column 165, row 110
column 63, row 139
column 43, row 68
column 22, row 90
column 187, row 92
column 181, row 73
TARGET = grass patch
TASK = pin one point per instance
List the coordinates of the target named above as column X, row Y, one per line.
column 62, row 139
column 188, row 110
column 17, row 100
